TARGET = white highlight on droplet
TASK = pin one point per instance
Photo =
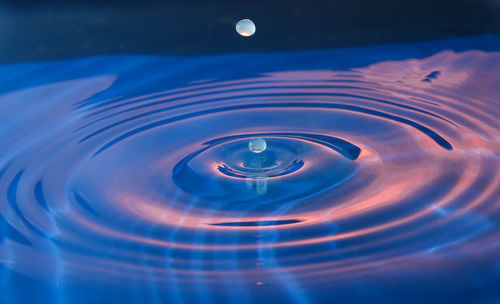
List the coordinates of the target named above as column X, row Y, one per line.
column 245, row 27
column 257, row 145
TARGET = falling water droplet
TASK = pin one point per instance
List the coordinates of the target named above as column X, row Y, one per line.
column 257, row 145
column 245, row 27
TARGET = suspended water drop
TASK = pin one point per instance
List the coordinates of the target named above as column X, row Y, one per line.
column 245, row 27
column 257, row 145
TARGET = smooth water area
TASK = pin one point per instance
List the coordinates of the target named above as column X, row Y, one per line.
column 355, row 175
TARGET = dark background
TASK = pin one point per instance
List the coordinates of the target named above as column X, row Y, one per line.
column 49, row 30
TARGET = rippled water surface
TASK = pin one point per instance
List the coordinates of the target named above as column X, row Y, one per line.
column 130, row 179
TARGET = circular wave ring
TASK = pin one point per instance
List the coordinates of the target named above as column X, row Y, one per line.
column 362, row 167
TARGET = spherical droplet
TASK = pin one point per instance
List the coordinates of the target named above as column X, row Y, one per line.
column 245, row 27
column 257, row 145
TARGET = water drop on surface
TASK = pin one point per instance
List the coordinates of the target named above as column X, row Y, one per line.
column 245, row 27
column 257, row 145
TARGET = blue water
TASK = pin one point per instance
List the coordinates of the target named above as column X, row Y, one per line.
column 129, row 179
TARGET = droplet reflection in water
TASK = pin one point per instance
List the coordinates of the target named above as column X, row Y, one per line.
column 257, row 145
column 245, row 27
